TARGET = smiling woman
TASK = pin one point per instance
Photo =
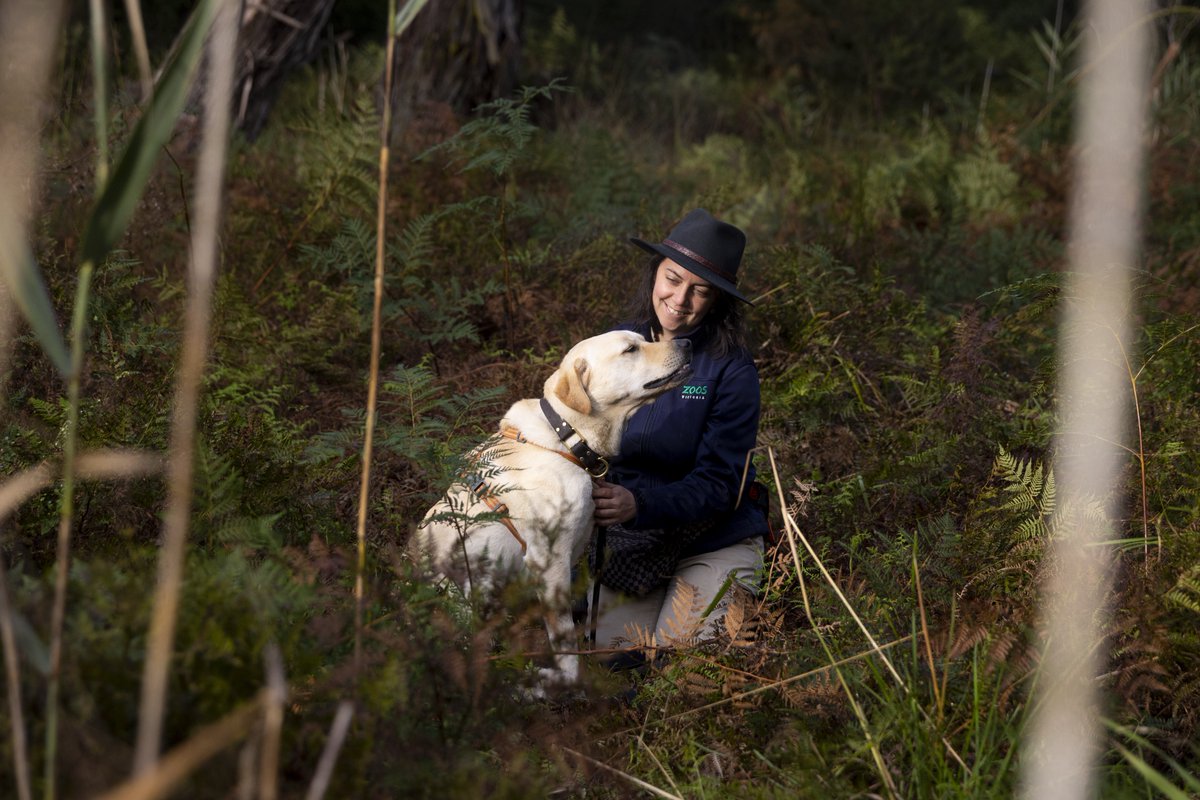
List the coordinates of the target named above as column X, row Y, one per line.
column 676, row 527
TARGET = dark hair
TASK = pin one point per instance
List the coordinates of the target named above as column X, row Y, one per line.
column 724, row 324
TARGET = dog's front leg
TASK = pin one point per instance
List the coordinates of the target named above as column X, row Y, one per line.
column 560, row 628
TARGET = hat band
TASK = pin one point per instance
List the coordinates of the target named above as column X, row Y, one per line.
column 692, row 254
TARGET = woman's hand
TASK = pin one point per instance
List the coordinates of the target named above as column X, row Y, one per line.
column 613, row 503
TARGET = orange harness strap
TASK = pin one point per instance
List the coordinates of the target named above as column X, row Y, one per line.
column 517, row 436
column 480, row 488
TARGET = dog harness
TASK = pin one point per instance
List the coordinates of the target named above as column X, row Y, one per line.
column 478, row 485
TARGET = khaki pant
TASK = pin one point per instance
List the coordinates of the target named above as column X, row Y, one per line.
column 706, row 572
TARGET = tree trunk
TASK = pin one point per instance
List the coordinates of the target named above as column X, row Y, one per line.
column 458, row 52
column 277, row 36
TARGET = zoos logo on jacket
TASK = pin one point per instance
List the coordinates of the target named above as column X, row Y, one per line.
column 693, row 391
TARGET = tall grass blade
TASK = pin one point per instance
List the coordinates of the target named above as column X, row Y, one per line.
column 127, row 182
column 24, row 281
column 407, row 14
column 201, row 277
column 28, row 31
column 1062, row 745
column 1192, row 782
column 1152, row 776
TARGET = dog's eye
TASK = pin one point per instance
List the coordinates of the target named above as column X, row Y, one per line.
column 631, row 349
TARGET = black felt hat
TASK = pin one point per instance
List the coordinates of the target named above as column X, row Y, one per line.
column 705, row 246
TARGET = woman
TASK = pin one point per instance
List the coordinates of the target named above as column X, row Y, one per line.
column 671, row 503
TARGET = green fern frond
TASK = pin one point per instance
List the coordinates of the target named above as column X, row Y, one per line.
column 1029, row 485
column 218, row 486
column 1185, row 594
column 495, row 140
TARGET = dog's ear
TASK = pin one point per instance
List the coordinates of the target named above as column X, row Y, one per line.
column 572, row 386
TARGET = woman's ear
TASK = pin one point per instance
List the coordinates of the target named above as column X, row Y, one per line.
column 572, row 387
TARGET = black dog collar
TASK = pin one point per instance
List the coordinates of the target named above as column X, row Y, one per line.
column 595, row 464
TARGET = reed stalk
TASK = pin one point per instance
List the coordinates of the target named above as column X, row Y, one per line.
column 201, row 278
column 12, row 675
column 268, row 772
column 66, row 515
column 1062, row 744
column 385, row 130
column 137, row 31
column 99, row 41
column 333, row 746
column 99, row 28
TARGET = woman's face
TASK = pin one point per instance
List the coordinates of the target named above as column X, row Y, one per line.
column 681, row 299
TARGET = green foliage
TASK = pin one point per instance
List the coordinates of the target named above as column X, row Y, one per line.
column 499, row 136
column 337, row 162
column 418, row 421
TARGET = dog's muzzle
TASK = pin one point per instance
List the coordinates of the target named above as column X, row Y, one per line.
column 680, row 372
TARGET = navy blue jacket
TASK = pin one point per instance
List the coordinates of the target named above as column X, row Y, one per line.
column 682, row 456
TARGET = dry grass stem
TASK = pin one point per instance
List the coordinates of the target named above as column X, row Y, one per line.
column 1064, row 735
column 638, row 782
column 168, row 772
column 793, row 533
column 268, row 774
column 933, row 675
column 95, row 465
column 768, row 687
column 211, row 171
column 648, row 750
column 385, row 128
column 333, row 746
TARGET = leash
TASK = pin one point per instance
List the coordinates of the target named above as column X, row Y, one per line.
column 594, row 610
column 595, row 464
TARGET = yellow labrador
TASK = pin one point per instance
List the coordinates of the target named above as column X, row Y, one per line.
column 535, row 476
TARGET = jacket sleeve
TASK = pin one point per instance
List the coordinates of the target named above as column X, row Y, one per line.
column 711, row 487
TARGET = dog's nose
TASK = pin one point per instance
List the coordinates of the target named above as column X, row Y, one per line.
column 686, row 347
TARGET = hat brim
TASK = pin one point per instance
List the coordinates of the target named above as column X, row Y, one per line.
column 693, row 266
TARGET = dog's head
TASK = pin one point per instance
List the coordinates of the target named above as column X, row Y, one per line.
column 614, row 374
